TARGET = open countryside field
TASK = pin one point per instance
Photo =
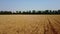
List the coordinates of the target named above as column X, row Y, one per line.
column 29, row 24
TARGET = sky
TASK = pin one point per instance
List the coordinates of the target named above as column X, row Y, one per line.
column 21, row 5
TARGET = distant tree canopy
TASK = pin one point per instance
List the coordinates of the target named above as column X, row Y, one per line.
column 32, row 12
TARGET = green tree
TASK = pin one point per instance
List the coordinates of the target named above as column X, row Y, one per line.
column 38, row 12
column 33, row 11
column 19, row 12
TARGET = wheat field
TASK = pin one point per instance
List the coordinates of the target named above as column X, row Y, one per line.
column 29, row 24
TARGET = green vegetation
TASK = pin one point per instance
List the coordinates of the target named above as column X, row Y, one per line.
column 32, row 12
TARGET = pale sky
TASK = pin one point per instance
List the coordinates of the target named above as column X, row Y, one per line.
column 14, row 5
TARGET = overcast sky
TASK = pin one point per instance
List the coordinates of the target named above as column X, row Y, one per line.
column 14, row 5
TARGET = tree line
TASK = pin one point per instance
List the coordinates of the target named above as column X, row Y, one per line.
column 31, row 12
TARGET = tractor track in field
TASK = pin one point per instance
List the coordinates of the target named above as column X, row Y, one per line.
column 52, row 28
column 56, row 20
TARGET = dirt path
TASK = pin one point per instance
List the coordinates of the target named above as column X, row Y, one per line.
column 29, row 24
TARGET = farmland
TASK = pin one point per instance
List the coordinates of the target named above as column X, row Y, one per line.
column 29, row 24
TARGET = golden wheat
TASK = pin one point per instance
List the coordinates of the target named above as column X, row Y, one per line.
column 29, row 24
